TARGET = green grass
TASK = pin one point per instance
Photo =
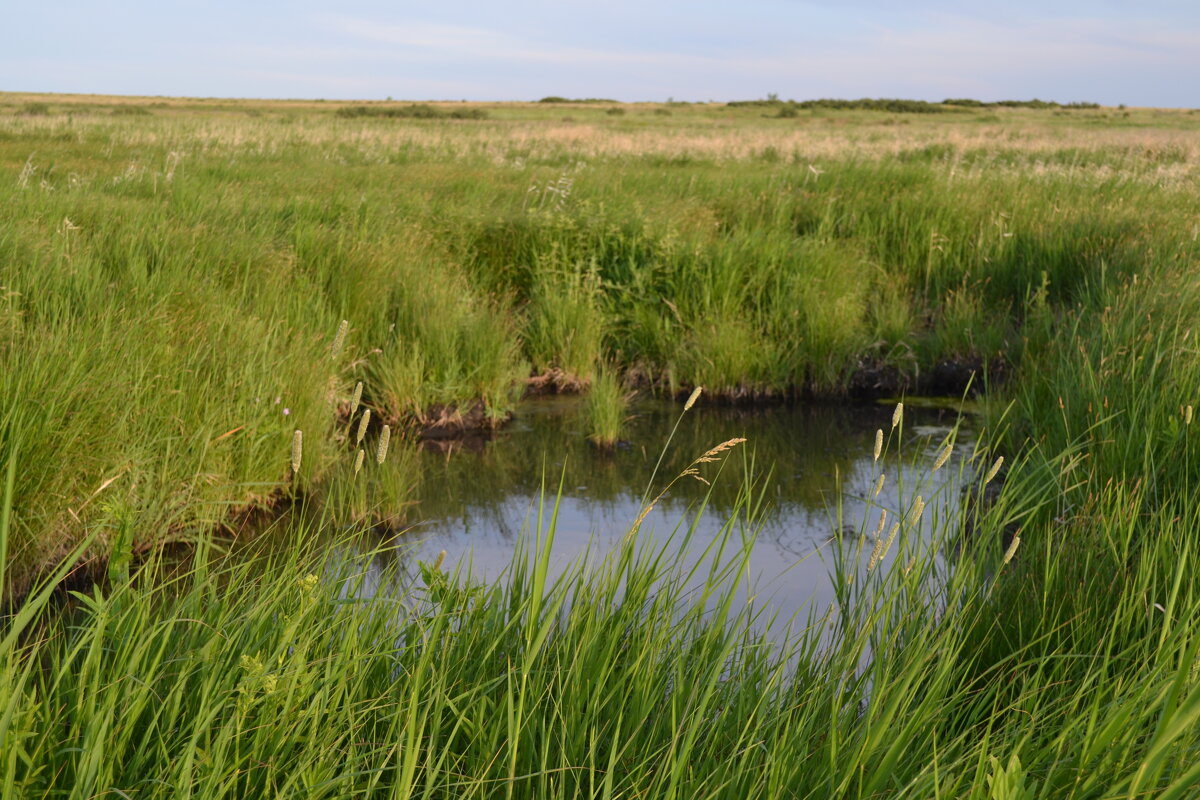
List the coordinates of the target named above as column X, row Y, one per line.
column 304, row 671
column 606, row 408
column 170, row 285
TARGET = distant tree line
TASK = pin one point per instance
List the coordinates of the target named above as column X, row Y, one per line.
column 898, row 106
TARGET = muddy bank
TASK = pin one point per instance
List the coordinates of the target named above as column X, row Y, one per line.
column 871, row 379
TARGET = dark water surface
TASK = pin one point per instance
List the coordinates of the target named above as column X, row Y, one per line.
column 812, row 466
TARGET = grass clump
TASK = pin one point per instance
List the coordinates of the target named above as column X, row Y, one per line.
column 130, row 110
column 606, row 404
column 411, row 111
column 566, row 323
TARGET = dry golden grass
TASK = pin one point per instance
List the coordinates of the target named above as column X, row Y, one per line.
column 1164, row 140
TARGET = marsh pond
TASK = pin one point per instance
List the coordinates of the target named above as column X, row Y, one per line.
column 805, row 476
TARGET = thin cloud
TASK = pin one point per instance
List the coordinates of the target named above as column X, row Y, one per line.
column 424, row 40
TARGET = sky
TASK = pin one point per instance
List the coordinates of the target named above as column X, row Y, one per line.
column 1137, row 52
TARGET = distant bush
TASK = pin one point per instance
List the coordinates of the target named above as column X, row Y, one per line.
column 615, row 111
column 1039, row 104
column 412, row 111
column 34, row 110
column 787, row 108
column 863, row 104
column 663, row 112
column 557, row 99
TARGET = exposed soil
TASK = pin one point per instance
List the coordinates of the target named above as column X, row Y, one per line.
column 555, row 381
column 872, row 379
column 450, row 422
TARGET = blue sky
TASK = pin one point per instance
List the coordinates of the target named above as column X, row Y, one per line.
column 1140, row 52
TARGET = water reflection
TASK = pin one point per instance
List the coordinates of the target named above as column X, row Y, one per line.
column 812, row 467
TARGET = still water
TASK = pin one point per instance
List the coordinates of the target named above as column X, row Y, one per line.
column 812, row 467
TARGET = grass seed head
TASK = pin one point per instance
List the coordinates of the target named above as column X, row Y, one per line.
column 356, row 399
column 363, row 422
column 692, row 398
column 918, row 508
column 878, row 443
column 879, row 485
column 381, row 451
column 943, row 457
column 297, row 450
column 1187, row 416
column 992, row 472
column 339, row 339
column 1012, row 549
column 887, row 545
column 358, row 460
column 875, row 553
column 898, row 414
column 711, row 455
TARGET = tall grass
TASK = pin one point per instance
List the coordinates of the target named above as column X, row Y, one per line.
column 169, row 289
column 348, row 671
column 166, row 278
column 606, row 408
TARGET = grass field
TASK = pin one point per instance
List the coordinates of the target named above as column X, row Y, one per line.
column 172, row 277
